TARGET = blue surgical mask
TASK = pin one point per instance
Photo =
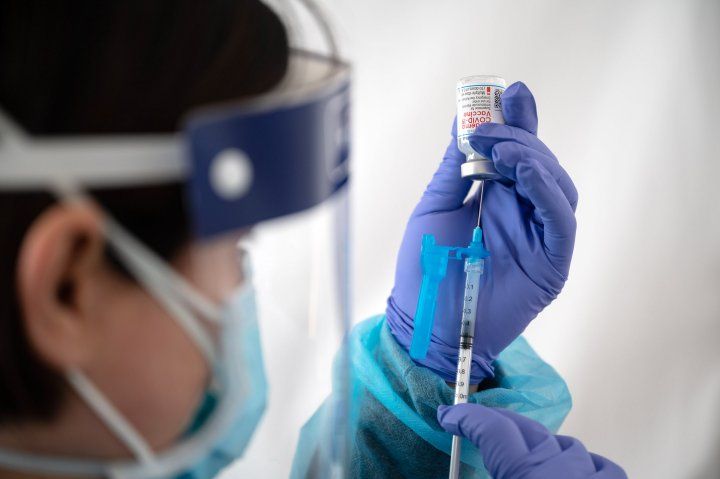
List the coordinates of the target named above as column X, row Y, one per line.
column 234, row 401
column 243, row 367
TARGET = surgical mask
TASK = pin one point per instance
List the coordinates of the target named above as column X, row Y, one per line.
column 234, row 400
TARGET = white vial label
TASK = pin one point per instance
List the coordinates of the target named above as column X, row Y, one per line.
column 478, row 103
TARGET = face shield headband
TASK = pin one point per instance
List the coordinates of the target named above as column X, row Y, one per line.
column 242, row 163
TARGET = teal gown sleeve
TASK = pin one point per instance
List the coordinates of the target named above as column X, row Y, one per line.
column 391, row 429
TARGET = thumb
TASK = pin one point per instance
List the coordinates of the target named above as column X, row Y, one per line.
column 498, row 438
column 519, row 108
column 447, row 189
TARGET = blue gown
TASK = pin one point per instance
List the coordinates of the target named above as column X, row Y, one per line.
column 390, row 428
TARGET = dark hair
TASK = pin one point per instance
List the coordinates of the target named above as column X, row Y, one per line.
column 80, row 67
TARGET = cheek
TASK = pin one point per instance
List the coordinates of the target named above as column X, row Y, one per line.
column 150, row 369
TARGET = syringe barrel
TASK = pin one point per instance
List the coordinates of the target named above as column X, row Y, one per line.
column 473, row 270
column 478, row 102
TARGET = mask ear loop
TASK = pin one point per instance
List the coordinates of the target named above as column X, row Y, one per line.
column 111, row 417
column 167, row 286
column 140, row 263
column 170, row 290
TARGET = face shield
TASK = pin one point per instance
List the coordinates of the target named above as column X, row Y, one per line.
column 264, row 295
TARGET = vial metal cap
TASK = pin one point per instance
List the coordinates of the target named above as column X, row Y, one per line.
column 479, row 170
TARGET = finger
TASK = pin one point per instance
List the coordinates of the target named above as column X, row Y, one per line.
column 571, row 459
column 537, row 184
column 542, row 445
column 533, row 432
column 606, row 469
column 447, row 189
column 497, row 437
column 519, row 109
column 488, row 135
column 508, row 154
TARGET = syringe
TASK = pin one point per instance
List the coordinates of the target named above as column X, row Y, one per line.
column 473, row 271
column 478, row 101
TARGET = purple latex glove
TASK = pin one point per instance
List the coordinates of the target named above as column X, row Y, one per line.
column 528, row 224
column 515, row 447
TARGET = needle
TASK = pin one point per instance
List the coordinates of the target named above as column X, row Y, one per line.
column 480, row 195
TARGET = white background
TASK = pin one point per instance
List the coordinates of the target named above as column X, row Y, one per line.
column 627, row 94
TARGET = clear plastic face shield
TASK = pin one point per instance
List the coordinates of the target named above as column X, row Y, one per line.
column 261, row 291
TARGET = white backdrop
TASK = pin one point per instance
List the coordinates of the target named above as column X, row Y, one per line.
column 627, row 93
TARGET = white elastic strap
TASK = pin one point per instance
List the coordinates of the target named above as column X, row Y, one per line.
column 138, row 262
column 142, row 258
column 148, row 262
column 51, row 466
column 11, row 134
column 324, row 25
column 111, row 417
column 165, row 285
column 93, row 160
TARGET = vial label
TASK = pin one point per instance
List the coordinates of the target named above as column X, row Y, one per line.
column 477, row 104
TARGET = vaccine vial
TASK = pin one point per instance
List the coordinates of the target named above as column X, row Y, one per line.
column 478, row 102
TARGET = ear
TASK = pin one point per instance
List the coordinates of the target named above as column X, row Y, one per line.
column 59, row 258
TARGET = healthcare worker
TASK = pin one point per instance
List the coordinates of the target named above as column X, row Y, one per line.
column 400, row 413
column 172, row 182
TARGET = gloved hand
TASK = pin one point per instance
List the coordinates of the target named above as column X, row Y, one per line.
column 528, row 227
column 515, row 447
